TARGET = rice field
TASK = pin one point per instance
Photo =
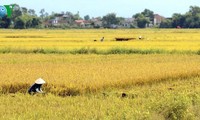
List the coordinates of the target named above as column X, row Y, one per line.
column 90, row 73
column 172, row 99
column 72, row 40
column 155, row 78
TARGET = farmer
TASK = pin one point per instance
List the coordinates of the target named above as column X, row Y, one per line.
column 36, row 87
column 140, row 37
column 102, row 39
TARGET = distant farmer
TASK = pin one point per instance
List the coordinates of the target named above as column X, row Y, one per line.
column 36, row 87
column 102, row 39
column 140, row 37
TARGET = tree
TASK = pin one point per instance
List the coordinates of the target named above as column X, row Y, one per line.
column 24, row 10
column 35, row 22
column 121, row 20
column 87, row 17
column 148, row 13
column 22, row 18
column 167, row 23
column 29, row 23
column 137, row 15
column 27, row 19
column 110, row 19
column 144, row 18
column 19, row 24
column 31, row 12
column 189, row 20
column 194, row 10
column 42, row 13
column 46, row 14
column 16, row 12
column 142, row 21
column 192, row 19
column 69, row 18
column 178, row 20
column 5, row 22
column 76, row 16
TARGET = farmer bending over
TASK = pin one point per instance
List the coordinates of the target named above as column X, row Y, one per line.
column 36, row 87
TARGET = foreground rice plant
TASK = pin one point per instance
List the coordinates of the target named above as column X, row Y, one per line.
column 77, row 74
column 172, row 100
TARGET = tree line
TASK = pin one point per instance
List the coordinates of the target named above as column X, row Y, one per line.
column 21, row 18
column 24, row 18
column 190, row 19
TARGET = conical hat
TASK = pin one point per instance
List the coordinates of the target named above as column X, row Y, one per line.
column 40, row 81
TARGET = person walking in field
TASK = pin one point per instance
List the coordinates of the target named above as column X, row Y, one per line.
column 36, row 87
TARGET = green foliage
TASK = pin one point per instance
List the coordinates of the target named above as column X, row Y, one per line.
column 142, row 20
column 24, row 18
column 5, row 22
column 27, row 21
column 109, row 20
column 77, row 16
column 42, row 12
column 167, row 23
column 24, row 10
column 189, row 20
column 20, row 24
column 84, row 50
column 177, row 20
column 148, row 13
column 16, row 12
column 35, row 22
column 87, row 17
column 32, row 12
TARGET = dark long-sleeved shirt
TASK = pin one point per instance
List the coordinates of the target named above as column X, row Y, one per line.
column 35, row 88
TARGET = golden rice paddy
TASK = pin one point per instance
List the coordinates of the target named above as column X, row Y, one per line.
column 73, row 39
column 82, row 85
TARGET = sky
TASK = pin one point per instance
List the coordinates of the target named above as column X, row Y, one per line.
column 96, row 8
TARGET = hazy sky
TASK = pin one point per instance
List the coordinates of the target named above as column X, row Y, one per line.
column 95, row 8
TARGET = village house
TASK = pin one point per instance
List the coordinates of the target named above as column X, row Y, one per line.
column 158, row 19
column 127, row 22
column 83, row 23
column 96, row 22
column 58, row 20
